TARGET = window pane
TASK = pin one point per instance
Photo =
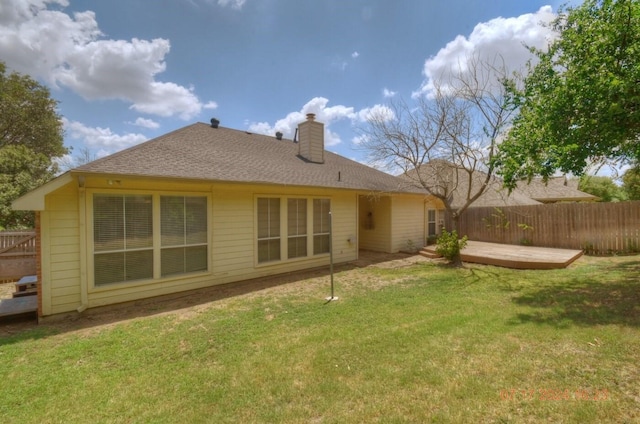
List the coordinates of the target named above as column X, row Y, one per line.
column 109, row 268
column 172, row 261
column 321, row 225
column 268, row 250
column 263, row 218
column 172, row 220
column 121, row 225
column 123, row 266
column 138, row 221
column 268, row 229
column 184, row 223
column 268, row 218
column 196, row 220
column 321, row 208
column 297, row 247
column 296, row 217
column 274, row 217
column 321, row 244
column 181, row 260
column 196, row 259
column 138, row 265
column 108, row 222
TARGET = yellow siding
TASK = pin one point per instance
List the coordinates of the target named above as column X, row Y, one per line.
column 61, row 252
column 408, row 223
column 375, row 223
column 232, row 246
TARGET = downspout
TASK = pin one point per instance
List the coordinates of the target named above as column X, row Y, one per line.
column 38, row 228
column 82, row 223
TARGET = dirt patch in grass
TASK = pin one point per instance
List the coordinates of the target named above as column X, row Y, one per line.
column 186, row 304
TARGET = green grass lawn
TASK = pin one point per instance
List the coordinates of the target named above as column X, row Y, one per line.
column 414, row 343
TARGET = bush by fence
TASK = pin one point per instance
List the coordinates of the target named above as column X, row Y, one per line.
column 596, row 228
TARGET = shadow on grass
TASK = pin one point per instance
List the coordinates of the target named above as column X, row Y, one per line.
column 20, row 330
column 587, row 301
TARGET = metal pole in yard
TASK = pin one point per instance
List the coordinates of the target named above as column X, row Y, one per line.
column 332, row 297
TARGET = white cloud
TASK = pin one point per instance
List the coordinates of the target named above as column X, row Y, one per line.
column 359, row 139
column 146, row 123
column 503, row 38
column 69, row 51
column 324, row 114
column 328, row 115
column 388, row 93
column 377, row 112
column 102, row 139
column 235, row 4
column 355, row 55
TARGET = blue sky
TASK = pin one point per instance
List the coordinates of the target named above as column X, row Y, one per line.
column 126, row 71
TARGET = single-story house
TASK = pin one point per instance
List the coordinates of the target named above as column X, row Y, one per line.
column 206, row 205
column 555, row 190
column 454, row 183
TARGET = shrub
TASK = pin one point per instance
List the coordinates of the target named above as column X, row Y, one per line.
column 449, row 245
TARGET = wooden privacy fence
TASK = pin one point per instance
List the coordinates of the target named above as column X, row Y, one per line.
column 17, row 255
column 596, row 228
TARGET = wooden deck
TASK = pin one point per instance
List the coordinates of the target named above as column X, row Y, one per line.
column 18, row 307
column 514, row 256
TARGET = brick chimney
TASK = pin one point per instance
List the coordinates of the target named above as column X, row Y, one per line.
column 311, row 139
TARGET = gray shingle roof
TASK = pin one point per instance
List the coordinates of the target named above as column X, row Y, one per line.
column 200, row 152
column 555, row 189
column 534, row 193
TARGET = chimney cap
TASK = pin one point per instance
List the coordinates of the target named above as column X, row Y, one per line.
column 279, row 135
column 311, row 116
column 215, row 122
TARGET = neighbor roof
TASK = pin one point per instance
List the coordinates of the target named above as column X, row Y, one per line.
column 537, row 191
column 445, row 180
column 555, row 189
column 201, row 152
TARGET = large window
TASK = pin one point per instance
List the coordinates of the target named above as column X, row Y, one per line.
column 183, row 222
column 285, row 225
column 297, row 228
column 123, row 237
column 321, row 226
column 268, row 229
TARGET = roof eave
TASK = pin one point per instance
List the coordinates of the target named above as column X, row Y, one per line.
column 35, row 199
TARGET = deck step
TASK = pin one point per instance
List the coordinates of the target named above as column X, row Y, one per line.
column 430, row 254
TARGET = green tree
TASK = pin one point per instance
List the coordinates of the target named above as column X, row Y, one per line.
column 603, row 187
column 581, row 102
column 631, row 183
column 31, row 136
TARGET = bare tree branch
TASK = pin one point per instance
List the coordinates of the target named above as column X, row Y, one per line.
column 445, row 141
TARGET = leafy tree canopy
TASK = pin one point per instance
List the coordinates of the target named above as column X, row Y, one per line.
column 603, row 187
column 31, row 136
column 581, row 102
column 631, row 183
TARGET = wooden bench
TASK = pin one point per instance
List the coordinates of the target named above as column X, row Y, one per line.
column 26, row 286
